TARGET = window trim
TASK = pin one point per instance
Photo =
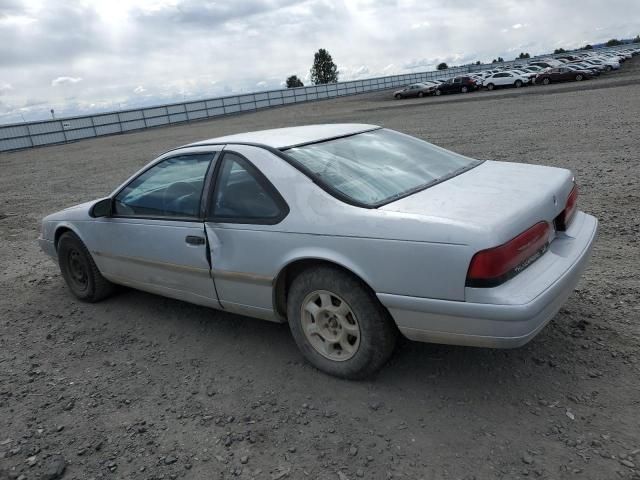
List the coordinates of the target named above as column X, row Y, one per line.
column 262, row 180
column 205, row 186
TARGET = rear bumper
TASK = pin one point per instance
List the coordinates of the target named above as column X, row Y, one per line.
column 506, row 316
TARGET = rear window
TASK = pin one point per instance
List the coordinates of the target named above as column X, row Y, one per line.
column 377, row 167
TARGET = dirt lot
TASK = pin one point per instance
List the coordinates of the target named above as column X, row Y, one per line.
column 142, row 387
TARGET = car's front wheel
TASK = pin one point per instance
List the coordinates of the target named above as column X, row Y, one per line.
column 518, row 83
column 578, row 77
column 464, row 89
column 398, row 96
column 438, row 92
column 491, row 86
column 80, row 271
column 339, row 325
column 546, row 81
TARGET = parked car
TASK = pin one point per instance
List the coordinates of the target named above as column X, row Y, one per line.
column 546, row 64
column 505, row 79
column 416, row 90
column 576, row 68
column 457, row 85
column 561, row 74
column 350, row 233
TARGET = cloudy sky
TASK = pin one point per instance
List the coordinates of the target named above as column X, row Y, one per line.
column 78, row 56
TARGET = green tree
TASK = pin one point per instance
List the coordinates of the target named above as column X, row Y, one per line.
column 524, row 55
column 323, row 69
column 614, row 42
column 559, row 50
column 637, row 39
column 587, row 47
column 497, row 60
column 478, row 62
column 293, row 82
column 442, row 66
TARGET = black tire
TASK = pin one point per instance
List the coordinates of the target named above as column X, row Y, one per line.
column 80, row 271
column 464, row 89
column 491, row 86
column 378, row 333
column 438, row 93
column 608, row 68
column 518, row 83
column 546, row 81
column 578, row 77
column 420, row 94
column 398, row 96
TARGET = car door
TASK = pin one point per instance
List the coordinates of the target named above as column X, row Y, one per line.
column 243, row 210
column 154, row 239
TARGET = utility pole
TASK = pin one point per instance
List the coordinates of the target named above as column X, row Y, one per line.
column 53, row 114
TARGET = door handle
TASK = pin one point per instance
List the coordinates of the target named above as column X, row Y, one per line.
column 194, row 240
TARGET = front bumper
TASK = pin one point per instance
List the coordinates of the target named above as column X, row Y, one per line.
column 48, row 247
column 506, row 316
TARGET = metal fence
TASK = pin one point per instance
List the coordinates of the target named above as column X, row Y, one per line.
column 33, row 134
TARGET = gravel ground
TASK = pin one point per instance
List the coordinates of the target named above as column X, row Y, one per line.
column 142, row 387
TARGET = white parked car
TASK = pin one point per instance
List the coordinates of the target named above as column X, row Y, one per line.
column 349, row 233
column 505, row 79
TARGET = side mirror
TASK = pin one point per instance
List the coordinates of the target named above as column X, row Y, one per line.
column 101, row 208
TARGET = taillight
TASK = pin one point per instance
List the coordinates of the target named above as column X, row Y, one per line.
column 563, row 220
column 494, row 266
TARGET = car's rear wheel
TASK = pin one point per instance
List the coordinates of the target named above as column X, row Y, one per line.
column 339, row 325
column 608, row 68
column 464, row 89
column 578, row 77
column 518, row 83
column 420, row 94
column 80, row 271
column 546, row 81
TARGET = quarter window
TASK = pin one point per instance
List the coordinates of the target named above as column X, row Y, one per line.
column 243, row 195
column 171, row 188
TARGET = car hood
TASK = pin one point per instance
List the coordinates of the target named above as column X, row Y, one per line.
column 500, row 198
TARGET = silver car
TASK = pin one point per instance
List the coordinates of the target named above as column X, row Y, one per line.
column 350, row 233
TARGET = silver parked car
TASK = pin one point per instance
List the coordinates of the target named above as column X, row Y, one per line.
column 350, row 233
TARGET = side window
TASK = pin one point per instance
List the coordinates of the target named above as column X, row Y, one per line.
column 243, row 195
column 171, row 188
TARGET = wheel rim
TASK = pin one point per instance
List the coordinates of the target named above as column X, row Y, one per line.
column 77, row 270
column 330, row 325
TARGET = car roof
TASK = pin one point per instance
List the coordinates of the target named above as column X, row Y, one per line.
column 291, row 136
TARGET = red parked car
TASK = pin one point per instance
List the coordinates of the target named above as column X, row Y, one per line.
column 457, row 85
column 562, row 74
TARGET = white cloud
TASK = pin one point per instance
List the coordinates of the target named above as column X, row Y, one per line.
column 5, row 87
column 65, row 81
column 517, row 26
column 139, row 89
column 420, row 25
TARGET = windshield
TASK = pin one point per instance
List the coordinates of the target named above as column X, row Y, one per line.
column 379, row 166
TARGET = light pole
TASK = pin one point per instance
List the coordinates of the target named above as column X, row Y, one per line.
column 53, row 114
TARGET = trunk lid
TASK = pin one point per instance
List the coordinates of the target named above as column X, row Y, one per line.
column 500, row 198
